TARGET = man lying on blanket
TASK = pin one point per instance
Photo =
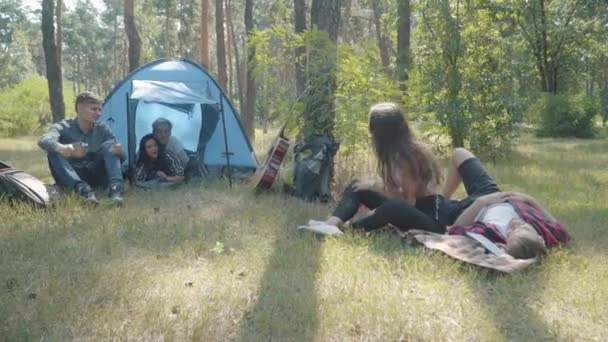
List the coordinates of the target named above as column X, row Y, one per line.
column 515, row 220
column 508, row 233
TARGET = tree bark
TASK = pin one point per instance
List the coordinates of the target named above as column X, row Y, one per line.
column 53, row 73
column 319, row 99
column 345, row 24
column 452, row 53
column 299, row 10
column 132, row 35
column 380, row 36
column 319, row 113
column 115, row 59
column 249, row 115
column 205, row 33
column 238, row 64
column 229, row 49
column 220, row 45
column 404, row 13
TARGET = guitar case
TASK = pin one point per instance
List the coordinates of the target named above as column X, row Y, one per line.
column 19, row 186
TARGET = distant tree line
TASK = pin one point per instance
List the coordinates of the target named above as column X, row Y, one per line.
column 464, row 69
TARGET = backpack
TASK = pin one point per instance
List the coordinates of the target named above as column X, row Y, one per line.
column 17, row 185
column 312, row 168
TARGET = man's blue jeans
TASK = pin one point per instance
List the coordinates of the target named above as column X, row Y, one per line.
column 102, row 169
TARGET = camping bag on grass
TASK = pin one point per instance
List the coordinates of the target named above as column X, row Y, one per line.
column 17, row 185
column 312, row 168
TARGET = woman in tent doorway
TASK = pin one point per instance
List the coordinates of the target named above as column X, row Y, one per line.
column 157, row 167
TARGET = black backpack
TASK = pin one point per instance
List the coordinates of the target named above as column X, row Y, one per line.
column 312, row 167
column 19, row 186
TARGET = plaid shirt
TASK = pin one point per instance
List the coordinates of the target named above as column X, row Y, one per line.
column 551, row 231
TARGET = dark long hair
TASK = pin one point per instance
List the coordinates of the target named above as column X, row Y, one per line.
column 159, row 164
column 397, row 149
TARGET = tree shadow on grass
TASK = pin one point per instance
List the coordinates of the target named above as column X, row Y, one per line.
column 286, row 303
column 75, row 243
column 586, row 225
column 507, row 300
column 510, row 300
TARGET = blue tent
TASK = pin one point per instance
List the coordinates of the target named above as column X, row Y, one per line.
column 203, row 118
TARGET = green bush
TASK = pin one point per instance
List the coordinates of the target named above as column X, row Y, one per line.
column 492, row 138
column 564, row 116
column 25, row 108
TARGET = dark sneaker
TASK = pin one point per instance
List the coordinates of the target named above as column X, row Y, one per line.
column 116, row 194
column 85, row 191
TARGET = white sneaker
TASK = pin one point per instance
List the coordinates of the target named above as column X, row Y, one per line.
column 321, row 227
column 316, row 222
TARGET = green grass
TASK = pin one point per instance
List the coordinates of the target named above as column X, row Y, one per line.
column 73, row 273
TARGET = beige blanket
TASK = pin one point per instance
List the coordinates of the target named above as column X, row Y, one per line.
column 468, row 250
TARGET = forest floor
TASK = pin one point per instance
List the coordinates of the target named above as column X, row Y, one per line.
column 209, row 263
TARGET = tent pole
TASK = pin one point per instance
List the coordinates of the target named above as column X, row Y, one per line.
column 225, row 141
column 130, row 147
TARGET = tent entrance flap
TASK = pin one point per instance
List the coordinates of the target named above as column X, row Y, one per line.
column 186, row 127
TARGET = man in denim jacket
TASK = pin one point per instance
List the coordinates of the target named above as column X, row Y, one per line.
column 83, row 152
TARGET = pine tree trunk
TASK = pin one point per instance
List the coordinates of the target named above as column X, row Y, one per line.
column 115, row 64
column 404, row 13
column 380, row 36
column 205, row 33
column 229, row 49
column 221, row 46
column 132, row 35
column 456, row 121
column 237, row 61
column 53, row 73
column 319, row 112
column 299, row 10
column 345, row 31
column 250, row 97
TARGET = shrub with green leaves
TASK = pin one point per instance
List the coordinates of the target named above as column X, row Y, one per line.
column 361, row 83
column 564, row 115
column 26, row 108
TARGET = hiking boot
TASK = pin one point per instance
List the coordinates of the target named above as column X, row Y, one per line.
column 85, row 191
column 116, row 194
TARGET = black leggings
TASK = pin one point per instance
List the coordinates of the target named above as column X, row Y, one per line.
column 396, row 212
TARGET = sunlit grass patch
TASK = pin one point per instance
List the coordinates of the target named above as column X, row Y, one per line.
column 209, row 263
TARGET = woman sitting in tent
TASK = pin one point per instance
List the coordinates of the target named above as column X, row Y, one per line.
column 156, row 167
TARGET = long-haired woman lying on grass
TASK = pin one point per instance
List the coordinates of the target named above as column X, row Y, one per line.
column 157, row 167
column 514, row 219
